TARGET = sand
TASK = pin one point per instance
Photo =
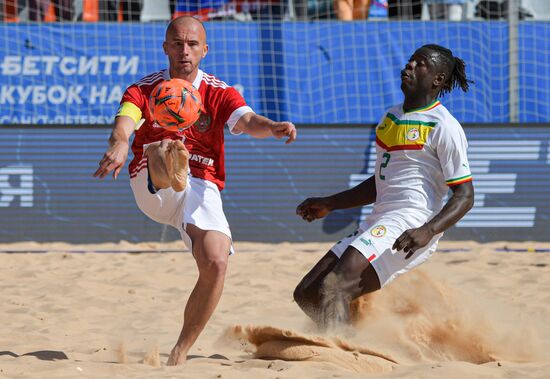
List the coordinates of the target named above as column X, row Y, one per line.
column 480, row 313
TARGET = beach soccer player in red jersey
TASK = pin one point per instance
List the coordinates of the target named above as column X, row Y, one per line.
column 159, row 177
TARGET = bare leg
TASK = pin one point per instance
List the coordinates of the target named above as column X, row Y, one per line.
column 308, row 292
column 326, row 292
column 211, row 250
column 351, row 277
column 168, row 162
column 361, row 9
column 344, row 9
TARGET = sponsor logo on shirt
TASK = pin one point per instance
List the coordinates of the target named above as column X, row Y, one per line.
column 366, row 242
column 202, row 160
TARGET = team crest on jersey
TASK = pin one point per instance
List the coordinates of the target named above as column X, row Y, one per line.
column 378, row 231
column 203, row 123
column 413, row 134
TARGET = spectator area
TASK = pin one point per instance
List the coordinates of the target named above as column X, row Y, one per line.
column 240, row 10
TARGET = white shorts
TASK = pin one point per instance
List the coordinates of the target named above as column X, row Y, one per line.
column 200, row 205
column 375, row 238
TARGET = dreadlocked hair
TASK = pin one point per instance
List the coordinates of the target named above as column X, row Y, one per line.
column 456, row 68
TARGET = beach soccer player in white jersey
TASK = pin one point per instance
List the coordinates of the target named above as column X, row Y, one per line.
column 420, row 154
column 159, row 171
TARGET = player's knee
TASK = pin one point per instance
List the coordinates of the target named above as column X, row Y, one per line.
column 299, row 294
column 306, row 295
column 213, row 267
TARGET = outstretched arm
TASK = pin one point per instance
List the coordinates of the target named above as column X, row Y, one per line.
column 261, row 127
column 117, row 153
column 460, row 202
column 358, row 196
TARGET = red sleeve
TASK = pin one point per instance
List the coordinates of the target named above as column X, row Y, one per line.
column 134, row 95
column 231, row 101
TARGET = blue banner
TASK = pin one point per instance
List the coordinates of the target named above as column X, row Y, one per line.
column 307, row 72
column 47, row 192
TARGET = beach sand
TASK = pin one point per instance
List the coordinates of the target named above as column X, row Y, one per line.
column 70, row 313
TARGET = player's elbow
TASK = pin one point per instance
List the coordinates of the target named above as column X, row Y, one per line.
column 467, row 196
column 463, row 196
column 470, row 197
column 471, row 200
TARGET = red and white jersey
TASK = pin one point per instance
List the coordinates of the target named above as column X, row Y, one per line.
column 205, row 139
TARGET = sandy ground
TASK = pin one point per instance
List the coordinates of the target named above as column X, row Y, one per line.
column 480, row 313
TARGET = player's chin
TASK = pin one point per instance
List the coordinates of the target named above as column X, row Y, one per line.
column 185, row 67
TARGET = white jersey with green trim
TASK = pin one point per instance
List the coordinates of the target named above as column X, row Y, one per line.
column 419, row 155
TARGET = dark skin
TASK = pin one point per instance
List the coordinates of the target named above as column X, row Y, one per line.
column 421, row 82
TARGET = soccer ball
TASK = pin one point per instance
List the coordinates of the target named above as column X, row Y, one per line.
column 175, row 104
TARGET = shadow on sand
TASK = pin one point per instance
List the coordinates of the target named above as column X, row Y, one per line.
column 44, row 355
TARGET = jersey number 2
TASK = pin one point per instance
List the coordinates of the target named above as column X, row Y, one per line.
column 384, row 164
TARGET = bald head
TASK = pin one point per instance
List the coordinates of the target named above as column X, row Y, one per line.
column 186, row 23
column 185, row 45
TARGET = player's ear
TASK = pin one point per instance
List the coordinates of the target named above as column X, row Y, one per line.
column 164, row 48
column 439, row 79
column 205, row 50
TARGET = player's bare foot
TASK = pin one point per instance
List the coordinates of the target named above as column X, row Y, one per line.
column 176, row 357
column 177, row 163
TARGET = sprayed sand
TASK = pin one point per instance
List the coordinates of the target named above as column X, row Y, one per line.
column 474, row 314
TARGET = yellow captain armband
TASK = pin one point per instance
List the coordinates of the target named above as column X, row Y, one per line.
column 129, row 109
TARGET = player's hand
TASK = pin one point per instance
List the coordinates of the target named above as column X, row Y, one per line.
column 413, row 239
column 113, row 160
column 313, row 208
column 284, row 129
